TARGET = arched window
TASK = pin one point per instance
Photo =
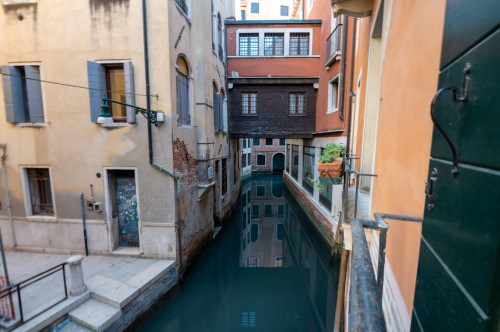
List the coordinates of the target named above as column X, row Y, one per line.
column 183, row 116
column 219, row 33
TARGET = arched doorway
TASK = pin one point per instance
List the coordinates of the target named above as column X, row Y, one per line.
column 278, row 162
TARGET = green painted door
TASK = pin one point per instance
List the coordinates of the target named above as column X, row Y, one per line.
column 278, row 162
column 458, row 278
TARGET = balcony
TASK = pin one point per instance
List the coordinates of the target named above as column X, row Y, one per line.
column 333, row 51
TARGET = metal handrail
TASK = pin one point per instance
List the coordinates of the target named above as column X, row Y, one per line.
column 333, row 40
column 25, row 283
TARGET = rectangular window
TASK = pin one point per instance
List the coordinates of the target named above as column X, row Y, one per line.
column 261, row 191
column 244, row 143
column 249, row 103
column 183, row 6
column 297, row 103
column 299, row 43
column 254, row 7
column 282, row 142
column 287, row 161
column 284, row 10
column 308, row 169
column 22, row 94
column 261, row 160
column 249, row 44
column 243, row 160
column 279, row 231
column 256, row 142
column 40, row 192
column 268, row 210
column 295, row 162
column 333, row 89
column 274, row 43
column 255, row 211
column 242, row 15
column 224, row 176
column 281, row 210
column 269, row 142
column 118, row 80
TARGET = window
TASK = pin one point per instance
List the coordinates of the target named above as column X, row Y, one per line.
column 243, row 15
column 219, row 35
column 39, row 193
column 261, row 160
column 297, row 103
column 224, row 176
column 255, row 211
column 254, row 8
column 249, row 159
column 118, row 79
column 249, row 103
column 279, row 231
column 268, row 210
column 254, row 232
column 282, row 142
column 261, row 191
column 325, row 195
column 308, row 169
column 284, row 10
column 243, row 160
column 256, row 142
column 295, row 162
column 274, row 43
column 183, row 116
column 269, row 142
column 287, row 159
column 183, row 6
column 22, row 94
column 281, row 210
column 299, row 43
column 333, row 89
column 218, row 111
column 249, row 44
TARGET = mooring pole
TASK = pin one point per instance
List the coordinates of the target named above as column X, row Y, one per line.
column 82, row 199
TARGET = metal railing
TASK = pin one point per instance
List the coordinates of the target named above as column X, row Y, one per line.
column 182, row 4
column 333, row 44
column 10, row 292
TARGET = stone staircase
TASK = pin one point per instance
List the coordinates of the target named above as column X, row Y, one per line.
column 111, row 304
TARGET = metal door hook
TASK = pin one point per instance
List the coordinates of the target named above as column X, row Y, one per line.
column 457, row 96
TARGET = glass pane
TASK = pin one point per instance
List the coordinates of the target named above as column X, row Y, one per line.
column 308, row 169
column 116, row 85
column 295, row 162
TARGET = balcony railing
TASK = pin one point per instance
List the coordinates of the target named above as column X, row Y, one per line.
column 182, row 4
column 333, row 44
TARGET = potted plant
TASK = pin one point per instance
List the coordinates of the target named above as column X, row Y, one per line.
column 330, row 162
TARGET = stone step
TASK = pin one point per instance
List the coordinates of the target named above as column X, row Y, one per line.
column 73, row 327
column 152, row 274
column 95, row 315
column 111, row 292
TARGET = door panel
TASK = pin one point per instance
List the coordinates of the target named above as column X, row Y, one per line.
column 471, row 124
column 128, row 220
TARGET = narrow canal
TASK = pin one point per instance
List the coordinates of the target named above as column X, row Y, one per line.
column 268, row 271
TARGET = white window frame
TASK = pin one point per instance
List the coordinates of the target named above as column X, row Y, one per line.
column 331, row 110
column 27, row 196
column 286, row 50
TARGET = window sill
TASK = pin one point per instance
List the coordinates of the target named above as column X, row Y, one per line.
column 40, row 217
column 297, row 115
column 249, row 114
column 272, row 56
column 332, row 111
column 29, row 124
column 117, row 125
column 17, row 2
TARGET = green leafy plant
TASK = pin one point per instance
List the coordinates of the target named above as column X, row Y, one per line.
column 331, row 152
column 318, row 184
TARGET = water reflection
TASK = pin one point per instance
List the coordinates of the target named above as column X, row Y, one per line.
column 268, row 271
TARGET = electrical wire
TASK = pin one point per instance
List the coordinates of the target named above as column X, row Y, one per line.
column 80, row 87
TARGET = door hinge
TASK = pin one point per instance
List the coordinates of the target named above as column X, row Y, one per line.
column 430, row 189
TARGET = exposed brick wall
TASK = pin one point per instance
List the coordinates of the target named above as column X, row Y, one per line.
column 185, row 165
column 324, row 222
column 272, row 119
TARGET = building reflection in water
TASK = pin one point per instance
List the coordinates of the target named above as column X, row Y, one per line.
column 269, row 270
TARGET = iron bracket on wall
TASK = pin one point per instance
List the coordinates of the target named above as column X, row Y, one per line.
column 458, row 95
column 150, row 115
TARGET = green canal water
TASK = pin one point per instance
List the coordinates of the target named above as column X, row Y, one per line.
column 267, row 271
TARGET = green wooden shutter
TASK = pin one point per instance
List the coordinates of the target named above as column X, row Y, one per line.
column 129, row 90
column 34, row 94
column 217, row 105
column 13, row 94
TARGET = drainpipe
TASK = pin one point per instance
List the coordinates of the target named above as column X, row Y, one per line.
column 9, row 207
column 350, row 87
column 345, row 24
column 148, row 101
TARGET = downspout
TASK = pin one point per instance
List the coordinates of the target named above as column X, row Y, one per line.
column 148, row 101
column 9, row 207
column 345, row 24
column 350, row 87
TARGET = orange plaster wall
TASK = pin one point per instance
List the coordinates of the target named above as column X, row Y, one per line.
column 409, row 80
